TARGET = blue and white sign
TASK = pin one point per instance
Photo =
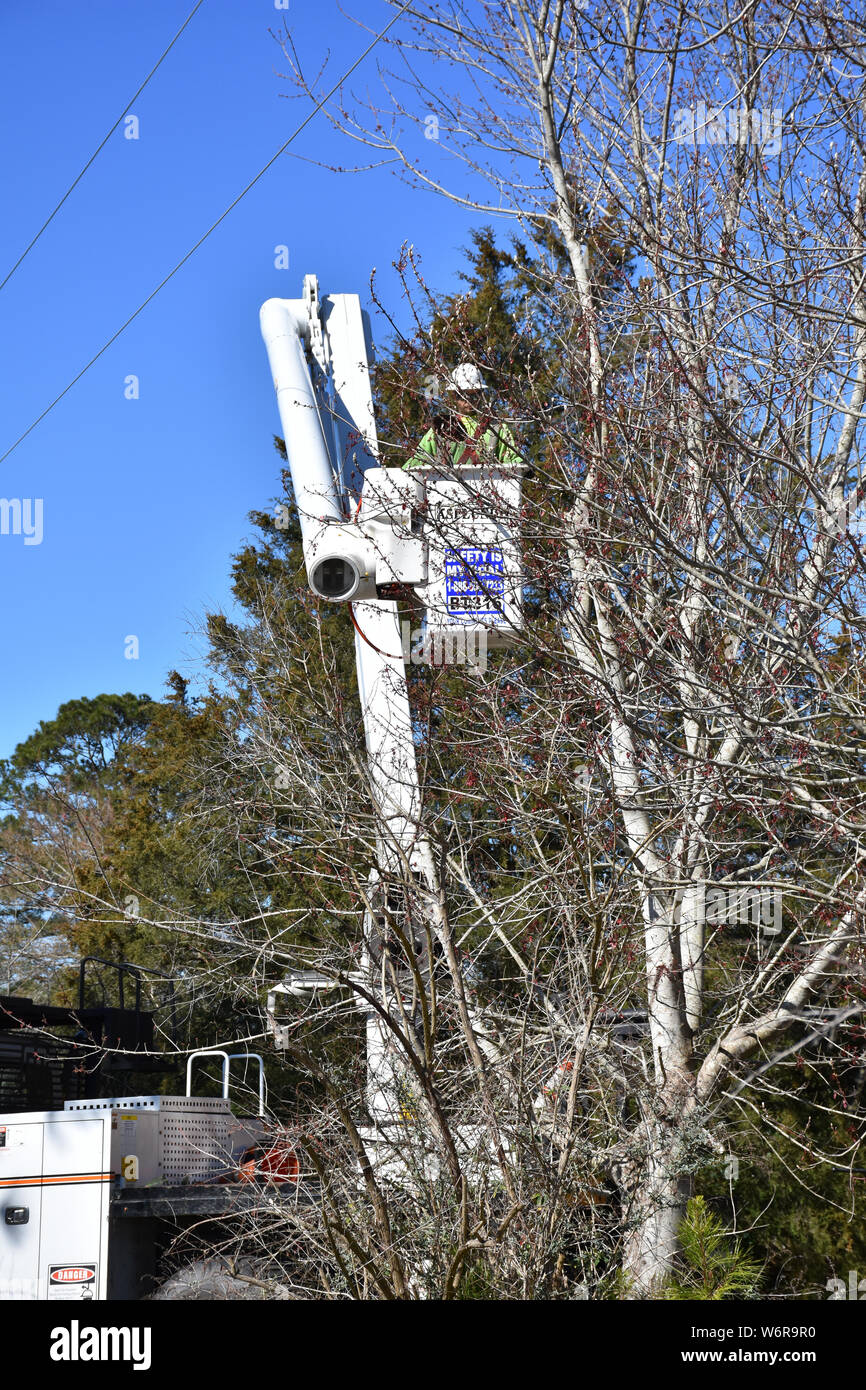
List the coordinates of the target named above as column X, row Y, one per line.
column 474, row 573
column 474, row 581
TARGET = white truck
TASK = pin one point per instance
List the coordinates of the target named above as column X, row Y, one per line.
column 88, row 1193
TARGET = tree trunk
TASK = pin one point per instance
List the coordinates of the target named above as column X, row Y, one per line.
column 656, row 1195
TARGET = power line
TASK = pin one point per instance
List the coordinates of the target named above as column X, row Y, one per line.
column 295, row 133
column 101, row 146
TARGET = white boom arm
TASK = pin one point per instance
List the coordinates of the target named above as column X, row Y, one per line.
column 342, row 560
column 285, row 329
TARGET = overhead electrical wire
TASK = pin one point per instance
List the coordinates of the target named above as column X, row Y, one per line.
column 100, row 147
column 212, row 228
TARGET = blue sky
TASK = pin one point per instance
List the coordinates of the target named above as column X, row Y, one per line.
column 145, row 501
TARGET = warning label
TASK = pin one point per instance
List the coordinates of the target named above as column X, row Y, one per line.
column 72, row 1281
column 474, row 581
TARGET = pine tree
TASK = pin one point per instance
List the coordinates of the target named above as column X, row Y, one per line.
column 714, row 1266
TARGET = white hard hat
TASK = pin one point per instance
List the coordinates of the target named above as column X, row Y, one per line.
column 466, row 377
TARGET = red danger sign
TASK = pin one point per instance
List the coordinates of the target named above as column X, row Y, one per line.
column 72, row 1274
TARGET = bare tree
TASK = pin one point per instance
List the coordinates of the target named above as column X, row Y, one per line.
column 644, row 899
column 712, row 636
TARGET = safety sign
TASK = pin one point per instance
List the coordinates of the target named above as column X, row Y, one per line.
column 474, row 581
column 72, row 1281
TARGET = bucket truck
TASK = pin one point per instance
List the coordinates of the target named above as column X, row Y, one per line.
column 369, row 533
column 86, row 1189
column 93, row 1189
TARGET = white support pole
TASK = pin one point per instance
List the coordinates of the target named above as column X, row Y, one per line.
column 388, row 728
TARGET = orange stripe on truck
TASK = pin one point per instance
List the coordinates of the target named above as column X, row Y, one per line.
column 55, row 1179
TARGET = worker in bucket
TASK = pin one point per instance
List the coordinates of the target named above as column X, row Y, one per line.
column 463, row 429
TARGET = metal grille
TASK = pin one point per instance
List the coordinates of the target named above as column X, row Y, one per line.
column 193, row 1140
column 211, row 1105
column 34, row 1073
column 193, row 1146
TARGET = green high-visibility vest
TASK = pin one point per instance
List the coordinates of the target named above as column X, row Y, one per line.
column 497, row 443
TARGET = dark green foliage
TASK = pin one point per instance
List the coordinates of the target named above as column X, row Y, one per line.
column 714, row 1265
column 81, row 745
